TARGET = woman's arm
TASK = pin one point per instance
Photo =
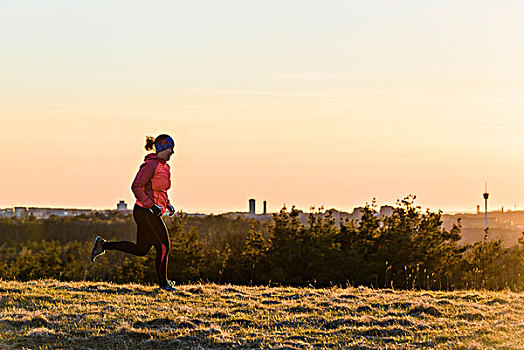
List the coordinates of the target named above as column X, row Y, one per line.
column 144, row 175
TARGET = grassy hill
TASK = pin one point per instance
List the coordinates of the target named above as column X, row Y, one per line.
column 88, row 315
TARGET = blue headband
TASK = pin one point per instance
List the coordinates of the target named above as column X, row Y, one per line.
column 164, row 144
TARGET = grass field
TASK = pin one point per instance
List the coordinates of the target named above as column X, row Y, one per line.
column 89, row 315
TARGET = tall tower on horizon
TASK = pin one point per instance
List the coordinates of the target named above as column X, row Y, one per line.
column 252, row 206
column 486, row 195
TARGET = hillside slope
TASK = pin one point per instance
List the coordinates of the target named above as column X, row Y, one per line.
column 88, row 315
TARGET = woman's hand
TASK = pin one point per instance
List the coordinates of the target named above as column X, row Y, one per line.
column 156, row 210
column 171, row 209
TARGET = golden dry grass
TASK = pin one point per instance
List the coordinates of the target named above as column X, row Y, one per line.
column 88, row 315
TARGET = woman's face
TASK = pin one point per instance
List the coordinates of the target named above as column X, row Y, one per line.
column 166, row 154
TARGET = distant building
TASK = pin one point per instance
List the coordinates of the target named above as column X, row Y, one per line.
column 21, row 212
column 386, row 210
column 42, row 213
column 39, row 213
column 335, row 214
column 121, row 206
column 7, row 213
column 251, row 206
column 265, row 207
column 357, row 213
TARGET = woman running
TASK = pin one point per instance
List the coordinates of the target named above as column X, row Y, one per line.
column 150, row 189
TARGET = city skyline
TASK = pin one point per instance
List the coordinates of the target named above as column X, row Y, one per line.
column 260, row 207
column 328, row 103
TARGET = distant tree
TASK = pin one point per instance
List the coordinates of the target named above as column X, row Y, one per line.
column 359, row 242
column 185, row 258
column 74, row 262
column 39, row 260
column 132, row 269
column 286, row 253
column 415, row 247
column 322, row 248
column 256, row 250
column 479, row 265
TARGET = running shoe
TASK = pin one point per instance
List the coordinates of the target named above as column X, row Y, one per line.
column 97, row 248
column 168, row 288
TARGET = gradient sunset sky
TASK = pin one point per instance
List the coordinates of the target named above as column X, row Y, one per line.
column 309, row 103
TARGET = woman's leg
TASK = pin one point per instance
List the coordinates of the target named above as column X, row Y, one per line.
column 162, row 246
column 151, row 231
column 144, row 236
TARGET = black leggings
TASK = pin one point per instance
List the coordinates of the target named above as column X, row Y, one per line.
column 151, row 231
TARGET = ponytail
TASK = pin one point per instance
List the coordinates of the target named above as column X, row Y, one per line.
column 150, row 142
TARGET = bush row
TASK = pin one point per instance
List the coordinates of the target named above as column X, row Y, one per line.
column 408, row 249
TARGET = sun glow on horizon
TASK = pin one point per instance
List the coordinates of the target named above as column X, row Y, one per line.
column 328, row 104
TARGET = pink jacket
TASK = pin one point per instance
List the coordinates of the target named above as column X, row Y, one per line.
column 152, row 182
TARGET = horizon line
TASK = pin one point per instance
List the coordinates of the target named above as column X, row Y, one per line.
column 210, row 212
